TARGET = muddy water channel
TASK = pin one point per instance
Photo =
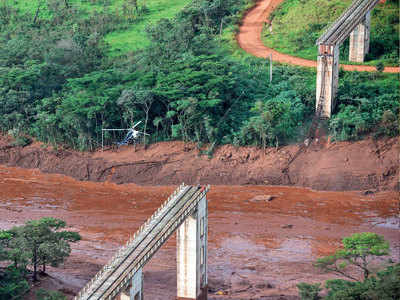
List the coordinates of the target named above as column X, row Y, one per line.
column 257, row 248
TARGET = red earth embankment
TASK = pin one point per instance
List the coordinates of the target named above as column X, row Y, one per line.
column 361, row 165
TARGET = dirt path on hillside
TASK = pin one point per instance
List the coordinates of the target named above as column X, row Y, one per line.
column 361, row 165
column 249, row 39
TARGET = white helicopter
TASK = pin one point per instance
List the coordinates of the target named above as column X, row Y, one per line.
column 132, row 135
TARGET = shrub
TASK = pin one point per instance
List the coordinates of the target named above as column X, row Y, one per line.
column 43, row 294
column 309, row 291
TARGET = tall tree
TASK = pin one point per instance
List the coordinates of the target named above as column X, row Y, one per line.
column 358, row 251
column 44, row 242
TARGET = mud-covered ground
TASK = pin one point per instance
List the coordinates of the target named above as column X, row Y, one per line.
column 325, row 165
column 258, row 249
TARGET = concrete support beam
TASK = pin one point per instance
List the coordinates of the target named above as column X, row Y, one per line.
column 359, row 40
column 327, row 78
column 192, row 255
column 125, row 296
column 136, row 291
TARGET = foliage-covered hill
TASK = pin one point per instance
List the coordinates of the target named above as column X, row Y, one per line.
column 59, row 84
column 297, row 24
column 132, row 16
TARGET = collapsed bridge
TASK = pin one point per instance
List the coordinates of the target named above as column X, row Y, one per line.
column 186, row 212
column 354, row 22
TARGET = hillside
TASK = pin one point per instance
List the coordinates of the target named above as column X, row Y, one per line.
column 363, row 165
column 136, row 16
column 298, row 24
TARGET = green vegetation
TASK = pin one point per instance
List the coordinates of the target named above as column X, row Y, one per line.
column 59, row 84
column 133, row 38
column 43, row 294
column 130, row 17
column 359, row 250
column 37, row 243
column 297, row 24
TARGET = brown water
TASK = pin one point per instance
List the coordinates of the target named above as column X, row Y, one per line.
column 252, row 250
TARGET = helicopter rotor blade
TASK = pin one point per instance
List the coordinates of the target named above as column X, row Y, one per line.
column 134, row 126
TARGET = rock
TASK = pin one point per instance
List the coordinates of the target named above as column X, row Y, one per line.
column 288, row 226
column 263, row 198
column 270, row 198
column 368, row 192
column 262, row 286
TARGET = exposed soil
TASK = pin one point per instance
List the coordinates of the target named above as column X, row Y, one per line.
column 249, row 39
column 262, row 239
column 362, row 165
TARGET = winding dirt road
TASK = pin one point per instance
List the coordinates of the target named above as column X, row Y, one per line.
column 249, row 39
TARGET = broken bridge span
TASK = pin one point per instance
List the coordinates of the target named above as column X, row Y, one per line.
column 185, row 211
column 354, row 22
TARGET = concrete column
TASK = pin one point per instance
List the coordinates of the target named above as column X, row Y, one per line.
column 359, row 40
column 327, row 78
column 125, row 295
column 136, row 292
column 192, row 255
column 135, row 289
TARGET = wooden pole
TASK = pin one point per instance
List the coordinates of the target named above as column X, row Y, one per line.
column 270, row 68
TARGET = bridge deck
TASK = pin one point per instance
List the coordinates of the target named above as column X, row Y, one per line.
column 116, row 275
column 345, row 24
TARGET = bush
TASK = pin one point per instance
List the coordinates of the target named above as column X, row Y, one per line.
column 43, row 294
column 385, row 286
column 309, row 291
column 13, row 285
column 22, row 141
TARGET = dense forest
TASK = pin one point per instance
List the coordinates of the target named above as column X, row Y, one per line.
column 61, row 83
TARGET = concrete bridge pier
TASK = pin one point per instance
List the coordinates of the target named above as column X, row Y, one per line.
column 327, row 78
column 135, row 291
column 192, row 255
column 359, row 40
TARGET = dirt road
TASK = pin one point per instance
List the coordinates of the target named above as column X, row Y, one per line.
column 249, row 39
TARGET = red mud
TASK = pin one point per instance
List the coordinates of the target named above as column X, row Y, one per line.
column 249, row 39
column 258, row 249
column 362, row 165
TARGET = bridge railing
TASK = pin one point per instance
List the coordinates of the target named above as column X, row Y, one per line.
column 121, row 251
column 172, row 226
column 337, row 32
column 138, row 262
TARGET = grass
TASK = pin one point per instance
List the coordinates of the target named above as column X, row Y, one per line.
column 124, row 41
column 134, row 37
column 298, row 23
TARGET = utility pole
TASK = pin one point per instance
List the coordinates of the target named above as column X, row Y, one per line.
column 270, row 67
column 220, row 29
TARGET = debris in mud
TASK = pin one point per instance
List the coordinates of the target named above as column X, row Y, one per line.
column 263, row 286
column 368, row 192
column 288, row 226
column 263, row 198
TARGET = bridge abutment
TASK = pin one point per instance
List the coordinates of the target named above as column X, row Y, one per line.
column 327, row 78
column 359, row 40
column 192, row 255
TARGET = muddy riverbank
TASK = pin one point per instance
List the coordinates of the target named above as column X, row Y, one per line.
column 258, row 249
column 325, row 165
